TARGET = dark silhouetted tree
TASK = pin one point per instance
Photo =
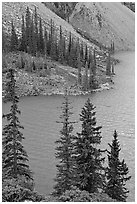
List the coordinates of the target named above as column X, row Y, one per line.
column 64, row 151
column 90, row 173
column 28, row 30
column 108, row 66
column 116, row 173
column 41, row 38
column 14, row 157
column 23, row 36
column 14, row 39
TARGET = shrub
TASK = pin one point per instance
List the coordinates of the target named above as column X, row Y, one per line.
column 14, row 191
column 75, row 195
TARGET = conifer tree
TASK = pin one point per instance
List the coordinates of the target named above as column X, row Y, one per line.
column 89, row 161
column 79, row 64
column 64, row 151
column 45, row 40
column 82, row 53
column 117, row 172
column 23, row 36
column 52, row 41
column 64, row 49
column 14, row 157
column 108, row 66
column 33, row 45
column 14, row 39
column 94, row 63
column 113, row 72
column 28, row 29
column 86, row 54
column 36, row 29
column 60, row 46
column 85, row 78
column 69, row 49
column 41, row 39
column 113, row 46
column 91, row 64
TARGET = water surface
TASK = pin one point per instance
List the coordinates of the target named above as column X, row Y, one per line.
column 115, row 109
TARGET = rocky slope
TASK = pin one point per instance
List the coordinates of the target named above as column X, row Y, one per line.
column 104, row 21
column 14, row 10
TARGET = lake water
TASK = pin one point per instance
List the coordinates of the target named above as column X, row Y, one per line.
column 115, row 109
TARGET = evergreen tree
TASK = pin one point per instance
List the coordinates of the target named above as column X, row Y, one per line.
column 41, row 39
column 108, row 66
column 113, row 46
column 52, row 41
column 36, row 29
column 91, row 64
column 82, row 53
column 86, row 54
column 113, row 72
column 85, row 78
column 116, row 173
column 14, row 156
column 23, row 36
column 60, row 46
column 14, row 39
column 64, row 151
column 94, row 63
column 69, row 50
column 79, row 64
column 90, row 171
column 33, row 45
column 28, row 30
column 45, row 41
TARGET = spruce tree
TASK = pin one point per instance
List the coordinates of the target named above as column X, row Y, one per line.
column 23, row 36
column 91, row 64
column 94, row 68
column 14, row 39
column 28, row 29
column 36, row 29
column 41, row 39
column 14, row 157
column 60, row 46
column 108, row 66
column 45, row 40
column 52, row 41
column 89, row 161
column 116, row 172
column 82, row 53
column 79, row 64
column 64, row 151
column 85, row 78
column 86, row 54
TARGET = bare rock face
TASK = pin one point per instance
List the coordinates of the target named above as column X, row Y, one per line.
column 106, row 22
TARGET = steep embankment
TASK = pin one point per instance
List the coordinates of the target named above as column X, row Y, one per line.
column 104, row 21
column 15, row 10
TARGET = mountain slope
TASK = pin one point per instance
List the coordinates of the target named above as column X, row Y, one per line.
column 104, row 21
column 14, row 10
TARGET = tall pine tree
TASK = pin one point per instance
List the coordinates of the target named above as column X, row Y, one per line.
column 14, row 39
column 64, row 151
column 28, row 30
column 116, row 173
column 89, row 161
column 14, row 157
column 108, row 66
column 23, row 36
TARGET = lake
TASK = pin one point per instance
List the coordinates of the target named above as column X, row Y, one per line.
column 115, row 109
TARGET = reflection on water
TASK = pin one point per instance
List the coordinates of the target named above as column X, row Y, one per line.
column 115, row 109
